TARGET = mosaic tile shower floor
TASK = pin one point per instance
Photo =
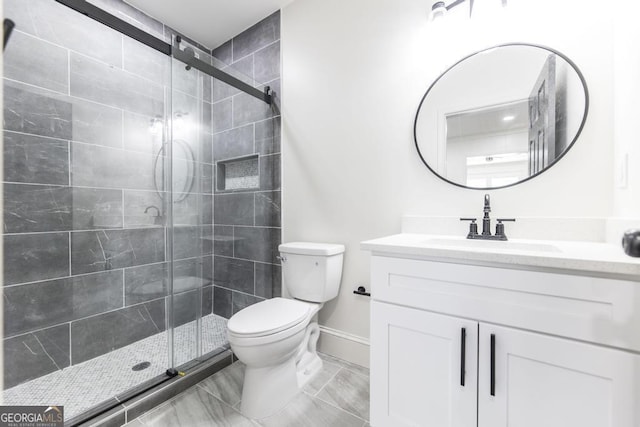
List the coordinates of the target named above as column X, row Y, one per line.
column 80, row 387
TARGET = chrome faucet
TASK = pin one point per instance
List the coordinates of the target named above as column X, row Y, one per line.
column 486, row 224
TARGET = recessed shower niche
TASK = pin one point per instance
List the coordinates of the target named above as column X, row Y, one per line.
column 241, row 173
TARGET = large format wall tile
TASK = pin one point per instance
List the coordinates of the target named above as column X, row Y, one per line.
column 98, row 82
column 192, row 241
column 234, row 209
column 223, row 240
column 31, row 257
column 270, row 172
column 33, row 355
column 34, row 159
column 36, row 113
column 258, row 244
column 81, row 34
column 96, row 208
column 39, row 208
column 258, row 36
column 145, row 62
column 146, row 283
column 233, row 143
column 110, row 249
column 241, row 301
column 267, row 63
column 34, row 61
column 222, row 302
column 268, row 208
column 222, row 115
column 115, row 329
column 39, row 305
column 236, row 274
column 33, row 208
column 96, row 124
column 247, row 109
column 268, row 280
column 268, row 136
column 94, row 166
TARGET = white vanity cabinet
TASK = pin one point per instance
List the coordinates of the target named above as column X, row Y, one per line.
column 468, row 345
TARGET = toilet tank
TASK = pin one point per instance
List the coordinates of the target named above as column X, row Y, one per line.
column 312, row 271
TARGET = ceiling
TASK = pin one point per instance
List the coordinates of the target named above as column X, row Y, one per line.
column 209, row 22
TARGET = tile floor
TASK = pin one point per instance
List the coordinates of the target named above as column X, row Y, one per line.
column 337, row 396
column 83, row 386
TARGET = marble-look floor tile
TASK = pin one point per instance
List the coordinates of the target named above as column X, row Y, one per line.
column 307, row 411
column 194, row 408
column 328, row 371
column 344, row 364
column 348, row 391
column 226, row 384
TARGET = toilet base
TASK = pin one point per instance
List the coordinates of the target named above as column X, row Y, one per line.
column 268, row 389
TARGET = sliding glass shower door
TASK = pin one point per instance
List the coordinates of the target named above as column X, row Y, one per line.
column 113, row 151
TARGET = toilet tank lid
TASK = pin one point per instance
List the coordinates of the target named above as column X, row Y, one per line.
column 308, row 248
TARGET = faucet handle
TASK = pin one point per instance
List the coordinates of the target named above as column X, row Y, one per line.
column 473, row 227
column 500, row 227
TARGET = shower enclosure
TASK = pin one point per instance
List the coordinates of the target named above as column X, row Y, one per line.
column 111, row 172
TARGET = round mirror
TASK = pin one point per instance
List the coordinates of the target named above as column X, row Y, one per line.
column 501, row 116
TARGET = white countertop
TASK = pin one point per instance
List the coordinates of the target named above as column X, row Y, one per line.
column 588, row 258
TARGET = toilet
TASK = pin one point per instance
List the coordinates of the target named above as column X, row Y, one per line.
column 276, row 338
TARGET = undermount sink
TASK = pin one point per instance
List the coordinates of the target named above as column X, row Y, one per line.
column 463, row 243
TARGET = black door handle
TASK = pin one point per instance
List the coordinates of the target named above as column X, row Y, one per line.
column 463, row 354
column 493, row 365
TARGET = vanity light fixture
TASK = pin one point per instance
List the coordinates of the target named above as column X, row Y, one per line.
column 440, row 9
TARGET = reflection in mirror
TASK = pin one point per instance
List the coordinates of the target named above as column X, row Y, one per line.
column 501, row 116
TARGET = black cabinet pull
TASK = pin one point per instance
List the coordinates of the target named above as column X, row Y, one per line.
column 493, row 365
column 463, row 354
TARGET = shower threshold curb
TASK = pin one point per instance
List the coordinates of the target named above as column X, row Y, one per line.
column 128, row 410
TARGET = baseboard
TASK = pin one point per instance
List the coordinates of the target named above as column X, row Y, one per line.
column 343, row 345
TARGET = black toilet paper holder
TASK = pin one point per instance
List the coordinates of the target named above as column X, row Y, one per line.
column 362, row 291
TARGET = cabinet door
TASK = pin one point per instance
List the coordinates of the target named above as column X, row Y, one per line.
column 416, row 362
column 555, row 382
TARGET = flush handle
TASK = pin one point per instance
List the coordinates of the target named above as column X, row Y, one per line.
column 282, row 258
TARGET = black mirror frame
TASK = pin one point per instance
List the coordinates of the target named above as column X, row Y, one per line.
column 584, row 117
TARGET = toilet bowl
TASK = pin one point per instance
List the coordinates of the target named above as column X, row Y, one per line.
column 276, row 338
column 272, row 353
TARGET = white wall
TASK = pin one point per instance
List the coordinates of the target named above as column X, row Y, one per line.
column 627, row 108
column 353, row 75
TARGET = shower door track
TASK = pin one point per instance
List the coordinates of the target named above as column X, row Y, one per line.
column 123, row 27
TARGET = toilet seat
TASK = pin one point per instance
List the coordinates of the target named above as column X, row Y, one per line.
column 268, row 317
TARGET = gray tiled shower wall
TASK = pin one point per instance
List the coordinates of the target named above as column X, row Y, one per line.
column 247, row 221
column 85, row 265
